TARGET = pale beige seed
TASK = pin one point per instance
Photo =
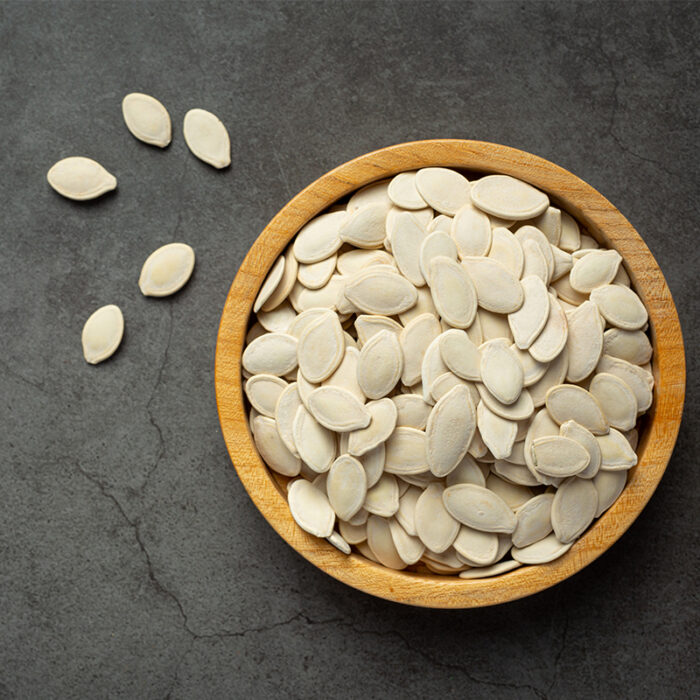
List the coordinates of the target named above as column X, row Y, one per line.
column 315, row 444
column 364, row 549
column 368, row 325
column 533, row 370
column 412, row 411
column 616, row 452
column 403, row 192
column 345, row 376
column 373, row 463
column 380, row 365
column 637, row 378
column 352, row 534
column 285, row 412
column 588, row 242
column 414, row 339
column 423, row 218
column 383, row 498
column 448, row 381
column 443, row 189
column 497, row 289
column 346, row 486
column 272, row 448
column 339, row 542
column 207, row 138
column 374, row 193
column 570, row 239
column 542, row 552
column 147, row 119
column 570, row 402
column 554, row 375
column 381, row 543
column 440, row 223
column 305, row 318
column 559, row 456
column 453, row 291
column 529, row 320
column 500, row 371
column 424, row 305
column 508, row 198
column 406, row 452
column 364, row 227
column 478, row 448
column 573, row 508
column 498, row 433
column 479, row 508
column 585, row 341
column 255, row 331
column 379, row 291
column 328, row 297
column 279, row 320
column 446, row 563
column 572, row 430
column 471, row 231
column 432, row 368
column 534, row 261
column 409, row 547
column 514, row 495
column 460, row 355
column 594, row 270
column 506, row 249
column 102, row 333
column 549, row 222
column 620, row 306
column 436, row 528
column 632, row 346
column 271, row 353
column 466, row 472
column 534, row 520
column 520, row 410
column 338, row 409
column 497, row 569
column 405, row 515
column 622, row 277
column 475, row 546
column 609, row 485
column 517, row 474
column 285, row 285
column 80, row 178
column 310, row 508
column 263, row 392
column 530, row 233
column 407, row 236
column 567, row 293
column 433, row 245
column 492, row 326
column 541, row 426
column 316, row 275
column 353, row 261
column 563, row 262
column 167, row 270
column 319, row 238
column 517, row 455
column 321, row 348
column 617, row 400
column 383, row 415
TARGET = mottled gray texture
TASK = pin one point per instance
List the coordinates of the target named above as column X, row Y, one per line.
column 133, row 563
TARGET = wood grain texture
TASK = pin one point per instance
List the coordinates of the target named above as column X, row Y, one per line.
column 604, row 222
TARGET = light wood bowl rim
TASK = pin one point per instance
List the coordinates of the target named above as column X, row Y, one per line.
column 604, row 222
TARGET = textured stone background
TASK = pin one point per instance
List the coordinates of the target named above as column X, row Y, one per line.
column 133, row 563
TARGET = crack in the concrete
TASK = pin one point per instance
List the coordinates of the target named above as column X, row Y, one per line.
column 10, row 372
column 560, row 651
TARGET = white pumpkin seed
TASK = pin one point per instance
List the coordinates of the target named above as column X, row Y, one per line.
column 346, row 486
column 559, row 456
column 549, row 222
column 285, row 285
column 443, row 189
column 207, row 138
column 460, row 355
column 497, row 289
column 528, row 321
column 147, row 119
column 272, row 449
column 368, row 325
column 364, row 227
column 517, row 474
column 330, row 296
column 406, row 452
column 338, row 409
column 271, row 353
column 533, row 370
column 315, row 444
column 321, row 348
column 414, row 339
column 620, row 306
column 412, row 411
column 364, row 549
column 573, row 508
column 498, row 433
column 379, row 291
column 521, row 409
column 382, row 423
column 316, row 275
column 570, row 239
column 319, row 238
column 567, row 293
column 506, row 249
column 471, row 231
column 339, row 543
column 433, row 245
column 617, row 400
column 403, row 192
column 542, row 552
column 310, row 508
column 285, row 412
column 585, row 341
column 374, row 193
column 594, row 270
column 563, row 262
column 466, row 472
column 408, row 547
column 381, row 543
column 102, row 333
column 479, row 547
column 263, row 392
column 352, row 534
column 534, row 520
column 478, row 508
column 514, row 495
column 383, row 498
column 616, row 452
column 500, row 370
column 448, row 381
column 405, row 515
column 492, row 326
column 436, row 528
column 440, row 223
column 488, row 571
column 345, row 376
column 508, row 198
column 80, row 178
column 407, row 236
column 570, row 402
column 638, row 379
column 453, row 291
column 554, row 375
column 534, row 261
column 353, row 261
column 632, row 346
column 530, row 233
column 373, row 463
column 279, row 320
column 380, row 365
column 572, row 430
column 609, row 485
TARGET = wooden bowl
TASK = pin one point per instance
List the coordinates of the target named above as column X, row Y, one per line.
column 604, row 222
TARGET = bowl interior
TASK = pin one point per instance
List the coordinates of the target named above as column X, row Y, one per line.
column 600, row 219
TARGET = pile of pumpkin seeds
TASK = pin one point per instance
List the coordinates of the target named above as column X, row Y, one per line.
column 450, row 372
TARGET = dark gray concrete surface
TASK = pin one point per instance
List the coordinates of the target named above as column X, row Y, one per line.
column 132, row 562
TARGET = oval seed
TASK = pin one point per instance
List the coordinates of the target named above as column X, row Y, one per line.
column 570, row 239
column 497, row 289
column 609, row 485
column 80, row 178
column 316, row 275
column 453, row 292
column 374, row 193
column 573, row 508
column 337, row 409
column 632, row 346
column 617, row 400
column 315, row 444
column 570, row 402
column 406, row 452
column 547, row 549
column 414, row 339
column 534, row 262
column 521, row 409
column 383, row 498
column 460, row 355
column 471, row 231
column 279, row 320
column 620, row 306
column 380, row 365
column 102, row 333
column 381, row 543
column 408, row 547
column 541, row 426
column 572, row 430
column 446, row 382
column 616, row 453
column 528, row 321
column 407, row 236
column 450, row 430
column 364, row 227
column 207, row 138
column 435, row 527
column 594, row 270
column 352, row 534
column 319, row 238
column 638, row 379
column 356, row 260
column 562, row 263
column 534, row 520
column 285, row 412
column 502, row 567
column 530, row 233
column 285, row 285
column 382, row 423
column 479, row 508
column 492, row 326
column 443, row 189
column 405, row 515
column 508, row 198
column 533, row 370
column 585, row 342
column 498, row 433
column 433, row 245
column 321, row 348
column 506, row 249
column 263, row 392
column 517, row 474
column 479, row 547
column 403, row 192
column 440, row 223
column 424, row 305
column 346, row 486
column 466, row 472
column 147, row 119
column 554, row 375
column 553, row 337
column 273, row 449
column 379, row 291
column 559, row 456
column 412, row 411
column 373, row 463
column 514, row 495
column 345, row 376
column 500, row 370
column 567, row 293
column 310, row 508
column 339, row 543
